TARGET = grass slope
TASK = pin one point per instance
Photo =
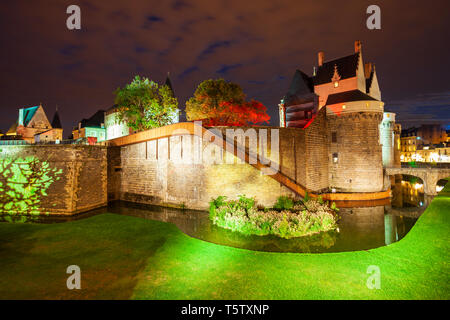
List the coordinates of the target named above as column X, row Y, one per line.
column 125, row 257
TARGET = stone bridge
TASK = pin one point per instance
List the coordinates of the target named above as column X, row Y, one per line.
column 429, row 176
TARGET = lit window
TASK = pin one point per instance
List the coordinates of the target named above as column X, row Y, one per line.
column 335, row 157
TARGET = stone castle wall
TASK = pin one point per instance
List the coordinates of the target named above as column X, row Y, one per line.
column 150, row 171
column 166, row 169
column 52, row 179
column 164, row 172
column 355, row 163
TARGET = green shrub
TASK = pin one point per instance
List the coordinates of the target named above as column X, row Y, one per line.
column 297, row 220
column 247, row 203
column 284, row 203
column 319, row 199
column 306, row 198
column 333, row 207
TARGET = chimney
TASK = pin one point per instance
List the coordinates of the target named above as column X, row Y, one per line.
column 357, row 46
column 367, row 69
column 321, row 56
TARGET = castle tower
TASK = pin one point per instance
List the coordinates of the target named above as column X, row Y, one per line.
column 354, row 117
column 355, row 152
column 349, row 91
column 387, row 139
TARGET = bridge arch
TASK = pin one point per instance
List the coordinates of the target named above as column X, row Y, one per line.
column 430, row 176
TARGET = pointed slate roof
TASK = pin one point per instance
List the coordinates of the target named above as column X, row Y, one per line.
column 346, row 67
column 300, row 90
column 348, row 96
column 169, row 84
column 28, row 114
column 95, row 120
column 56, row 122
column 369, row 80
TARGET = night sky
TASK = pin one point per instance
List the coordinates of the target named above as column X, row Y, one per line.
column 258, row 44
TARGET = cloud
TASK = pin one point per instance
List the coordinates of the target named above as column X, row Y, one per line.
column 213, row 47
column 180, row 5
column 70, row 50
column 225, row 68
column 140, row 49
column 41, row 60
column 422, row 108
column 188, row 71
column 150, row 20
column 154, row 19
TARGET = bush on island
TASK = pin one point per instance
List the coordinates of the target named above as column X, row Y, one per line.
column 287, row 218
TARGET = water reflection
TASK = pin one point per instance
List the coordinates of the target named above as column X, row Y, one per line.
column 360, row 229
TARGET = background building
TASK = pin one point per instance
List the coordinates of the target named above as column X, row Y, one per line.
column 32, row 125
column 115, row 128
column 427, row 143
column 92, row 128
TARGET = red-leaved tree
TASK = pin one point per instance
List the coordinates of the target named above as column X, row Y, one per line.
column 222, row 103
column 244, row 114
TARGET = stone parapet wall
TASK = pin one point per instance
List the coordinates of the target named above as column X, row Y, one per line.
column 164, row 171
column 52, row 179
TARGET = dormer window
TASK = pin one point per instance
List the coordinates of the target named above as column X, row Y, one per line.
column 336, row 77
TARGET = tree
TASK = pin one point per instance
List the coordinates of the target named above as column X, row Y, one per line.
column 232, row 114
column 217, row 102
column 143, row 104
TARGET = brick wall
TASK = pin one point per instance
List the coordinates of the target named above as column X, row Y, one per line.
column 359, row 156
column 316, row 156
column 76, row 178
column 163, row 172
column 151, row 172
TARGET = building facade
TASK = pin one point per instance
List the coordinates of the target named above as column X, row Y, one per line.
column 360, row 137
column 92, row 128
column 427, row 143
column 114, row 127
column 33, row 126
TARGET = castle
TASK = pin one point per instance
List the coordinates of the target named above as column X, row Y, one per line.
column 360, row 136
column 334, row 139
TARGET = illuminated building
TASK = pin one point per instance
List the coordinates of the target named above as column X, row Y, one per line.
column 94, row 127
column 427, row 143
column 114, row 127
column 33, row 125
column 359, row 135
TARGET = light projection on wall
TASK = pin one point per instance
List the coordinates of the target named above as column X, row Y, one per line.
column 23, row 183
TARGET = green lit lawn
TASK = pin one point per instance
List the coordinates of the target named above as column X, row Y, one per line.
column 125, row 257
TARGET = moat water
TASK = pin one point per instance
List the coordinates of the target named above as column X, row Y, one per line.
column 367, row 226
